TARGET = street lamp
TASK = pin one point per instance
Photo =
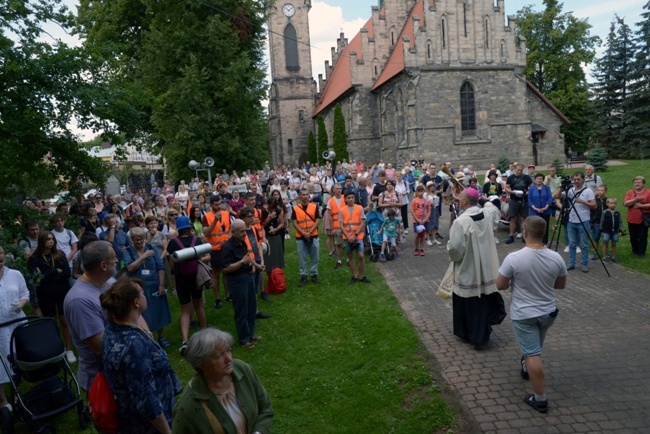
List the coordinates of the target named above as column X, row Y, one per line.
column 202, row 167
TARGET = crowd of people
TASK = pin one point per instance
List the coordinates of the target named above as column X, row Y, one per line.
column 110, row 282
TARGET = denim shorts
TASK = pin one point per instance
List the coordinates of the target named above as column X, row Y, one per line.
column 595, row 232
column 356, row 247
column 530, row 333
column 610, row 236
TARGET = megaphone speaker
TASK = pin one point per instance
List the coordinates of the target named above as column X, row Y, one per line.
column 193, row 165
column 209, row 162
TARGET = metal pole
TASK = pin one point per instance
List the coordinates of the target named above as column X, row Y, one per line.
column 210, row 177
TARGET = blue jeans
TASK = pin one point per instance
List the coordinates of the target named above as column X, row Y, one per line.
column 242, row 290
column 312, row 250
column 530, row 333
column 578, row 237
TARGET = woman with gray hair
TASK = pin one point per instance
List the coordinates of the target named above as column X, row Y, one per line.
column 225, row 395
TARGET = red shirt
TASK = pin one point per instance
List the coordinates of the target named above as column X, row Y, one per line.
column 634, row 215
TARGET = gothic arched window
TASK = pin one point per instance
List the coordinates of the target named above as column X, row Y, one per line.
column 467, row 109
column 291, row 48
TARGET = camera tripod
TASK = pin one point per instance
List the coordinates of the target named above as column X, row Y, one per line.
column 568, row 204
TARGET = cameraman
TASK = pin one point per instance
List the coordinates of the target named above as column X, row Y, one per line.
column 583, row 201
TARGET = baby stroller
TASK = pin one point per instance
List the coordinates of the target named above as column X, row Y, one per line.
column 37, row 355
column 374, row 220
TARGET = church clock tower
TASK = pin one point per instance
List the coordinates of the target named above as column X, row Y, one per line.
column 293, row 89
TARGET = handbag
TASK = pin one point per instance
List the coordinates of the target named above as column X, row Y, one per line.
column 445, row 289
column 103, row 406
column 646, row 219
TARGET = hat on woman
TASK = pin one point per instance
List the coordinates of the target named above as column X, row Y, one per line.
column 182, row 223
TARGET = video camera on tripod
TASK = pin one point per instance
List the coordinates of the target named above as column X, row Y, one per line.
column 567, row 182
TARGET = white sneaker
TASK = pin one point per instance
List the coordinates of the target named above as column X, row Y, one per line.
column 496, row 241
column 518, row 235
column 436, row 242
column 566, row 249
column 429, row 243
column 578, row 250
column 406, row 231
column 69, row 356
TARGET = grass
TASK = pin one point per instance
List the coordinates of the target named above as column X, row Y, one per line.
column 334, row 358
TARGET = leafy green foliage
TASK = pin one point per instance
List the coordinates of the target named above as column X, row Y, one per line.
column 44, row 85
column 340, row 144
column 612, row 74
column 504, row 163
column 192, row 72
column 558, row 44
column 312, row 152
column 598, row 158
column 322, row 139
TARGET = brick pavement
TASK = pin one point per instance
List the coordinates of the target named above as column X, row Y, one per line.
column 595, row 356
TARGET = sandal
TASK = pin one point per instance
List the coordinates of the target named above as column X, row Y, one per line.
column 256, row 338
column 248, row 345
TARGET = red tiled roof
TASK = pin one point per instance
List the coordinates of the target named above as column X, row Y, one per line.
column 395, row 64
column 546, row 101
column 339, row 81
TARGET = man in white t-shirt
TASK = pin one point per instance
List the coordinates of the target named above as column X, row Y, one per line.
column 534, row 272
column 66, row 240
column 583, row 201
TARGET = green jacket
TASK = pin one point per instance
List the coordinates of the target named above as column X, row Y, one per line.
column 254, row 402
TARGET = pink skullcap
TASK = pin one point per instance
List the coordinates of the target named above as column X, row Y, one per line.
column 471, row 192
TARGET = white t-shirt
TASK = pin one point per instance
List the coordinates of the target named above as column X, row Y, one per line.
column 64, row 241
column 580, row 209
column 533, row 273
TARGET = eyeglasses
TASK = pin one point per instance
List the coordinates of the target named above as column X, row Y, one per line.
column 173, row 215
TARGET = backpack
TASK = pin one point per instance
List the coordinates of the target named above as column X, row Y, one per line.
column 277, row 282
column 188, row 268
column 103, row 405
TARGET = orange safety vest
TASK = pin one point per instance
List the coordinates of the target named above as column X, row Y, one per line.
column 352, row 223
column 334, row 210
column 305, row 219
column 249, row 246
column 258, row 226
column 221, row 230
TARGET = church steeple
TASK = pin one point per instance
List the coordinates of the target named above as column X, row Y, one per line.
column 293, row 88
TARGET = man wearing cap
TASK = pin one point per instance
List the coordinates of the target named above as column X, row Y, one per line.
column 216, row 229
column 477, row 304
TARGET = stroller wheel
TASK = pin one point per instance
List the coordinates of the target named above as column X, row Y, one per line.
column 7, row 420
column 374, row 257
column 391, row 256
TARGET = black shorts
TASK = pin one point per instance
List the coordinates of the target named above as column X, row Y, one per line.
column 51, row 301
column 216, row 260
column 186, row 289
column 517, row 208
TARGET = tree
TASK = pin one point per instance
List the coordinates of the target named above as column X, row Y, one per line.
column 44, row 85
column 322, row 139
column 194, row 72
column 612, row 73
column 340, row 142
column 598, row 158
column 557, row 46
column 312, row 152
column 636, row 131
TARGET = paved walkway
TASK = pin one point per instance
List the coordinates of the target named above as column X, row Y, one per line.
column 596, row 356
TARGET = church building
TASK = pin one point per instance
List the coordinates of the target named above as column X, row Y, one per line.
column 441, row 79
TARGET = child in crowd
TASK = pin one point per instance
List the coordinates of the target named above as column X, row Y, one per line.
column 389, row 229
column 611, row 223
column 601, row 205
column 420, row 211
column 432, row 224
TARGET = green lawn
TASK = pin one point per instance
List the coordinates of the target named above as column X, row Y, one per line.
column 334, row 358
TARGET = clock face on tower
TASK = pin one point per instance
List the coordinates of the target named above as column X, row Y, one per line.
column 288, row 10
